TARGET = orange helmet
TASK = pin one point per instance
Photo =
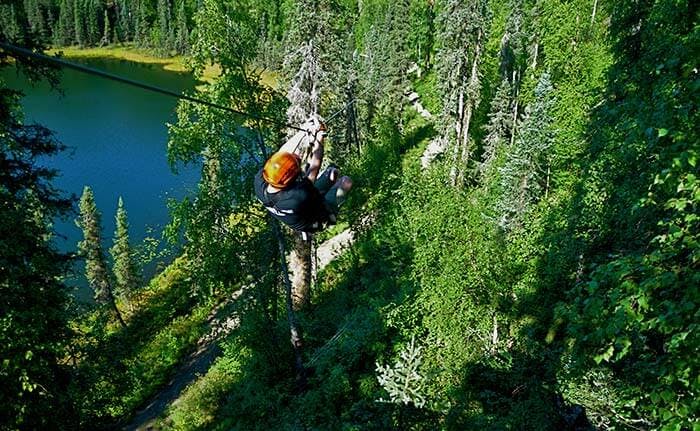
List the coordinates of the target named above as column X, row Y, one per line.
column 281, row 169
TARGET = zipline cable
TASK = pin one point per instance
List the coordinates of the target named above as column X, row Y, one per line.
column 16, row 50
column 354, row 99
column 91, row 71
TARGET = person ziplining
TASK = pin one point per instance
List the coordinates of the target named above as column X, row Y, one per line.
column 291, row 188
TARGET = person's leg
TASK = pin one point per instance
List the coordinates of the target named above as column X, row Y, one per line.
column 327, row 179
column 337, row 194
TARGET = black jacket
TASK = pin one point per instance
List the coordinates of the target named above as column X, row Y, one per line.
column 300, row 206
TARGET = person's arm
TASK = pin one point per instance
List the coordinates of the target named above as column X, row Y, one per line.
column 313, row 128
column 316, row 157
column 294, row 143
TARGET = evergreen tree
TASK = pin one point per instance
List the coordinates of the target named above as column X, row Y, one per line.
column 182, row 35
column 395, row 65
column 65, row 27
column 462, row 32
column 125, row 16
column 92, row 21
column 525, row 176
column 90, row 248
column 34, row 331
column 125, row 268
column 79, row 23
column 513, row 56
column 499, row 125
column 421, row 35
column 163, row 41
column 10, row 28
column 35, row 19
column 314, row 55
column 141, row 25
column 51, row 21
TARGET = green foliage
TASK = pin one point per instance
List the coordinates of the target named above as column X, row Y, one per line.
column 525, row 174
column 125, row 267
column 402, row 381
column 634, row 312
column 198, row 406
column 566, row 272
column 221, row 224
column 120, row 368
column 90, row 248
column 34, row 334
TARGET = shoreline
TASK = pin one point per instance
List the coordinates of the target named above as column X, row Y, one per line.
column 136, row 55
column 172, row 64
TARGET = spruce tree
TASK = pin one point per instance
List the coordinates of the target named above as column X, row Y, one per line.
column 126, row 273
column 90, row 249
column 10, row 28
column 124, row 18
column 92, row 21
column 79, row 23
column 524, row 177
column 182, row 35
column 34, row 330
column 141, row 25
column 513, row 57
column 35, row 18
column 421, row 36
column 315, row 53
column 499, row 125
column 65, row 26
column 163, row 30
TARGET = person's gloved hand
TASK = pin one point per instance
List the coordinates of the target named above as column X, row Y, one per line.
column 315, row 126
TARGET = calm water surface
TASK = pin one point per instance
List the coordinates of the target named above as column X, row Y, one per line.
column 117, row 139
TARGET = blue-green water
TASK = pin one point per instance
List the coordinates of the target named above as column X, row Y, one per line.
column 117, row 139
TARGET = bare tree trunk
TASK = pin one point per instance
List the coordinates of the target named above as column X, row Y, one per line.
column 454, row 171
column 300, row 261
column 294, row 331
column 471, row 105
column 534, row 56
column 595, row 6
column 465, row 146
column 516, row 92
column 113, row 304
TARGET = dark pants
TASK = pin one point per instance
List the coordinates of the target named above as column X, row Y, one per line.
column 332, row 194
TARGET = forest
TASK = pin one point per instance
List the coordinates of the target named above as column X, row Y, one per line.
column 161, row 25
column 525, row 222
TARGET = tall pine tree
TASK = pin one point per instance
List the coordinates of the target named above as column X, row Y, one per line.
column 125, row 268
column 79, row 24
column 525, row 175
column 90, row 249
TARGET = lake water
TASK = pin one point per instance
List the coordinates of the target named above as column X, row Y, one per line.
column 117, row 139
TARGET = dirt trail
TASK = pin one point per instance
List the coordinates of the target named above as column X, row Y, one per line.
column 221, row 321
